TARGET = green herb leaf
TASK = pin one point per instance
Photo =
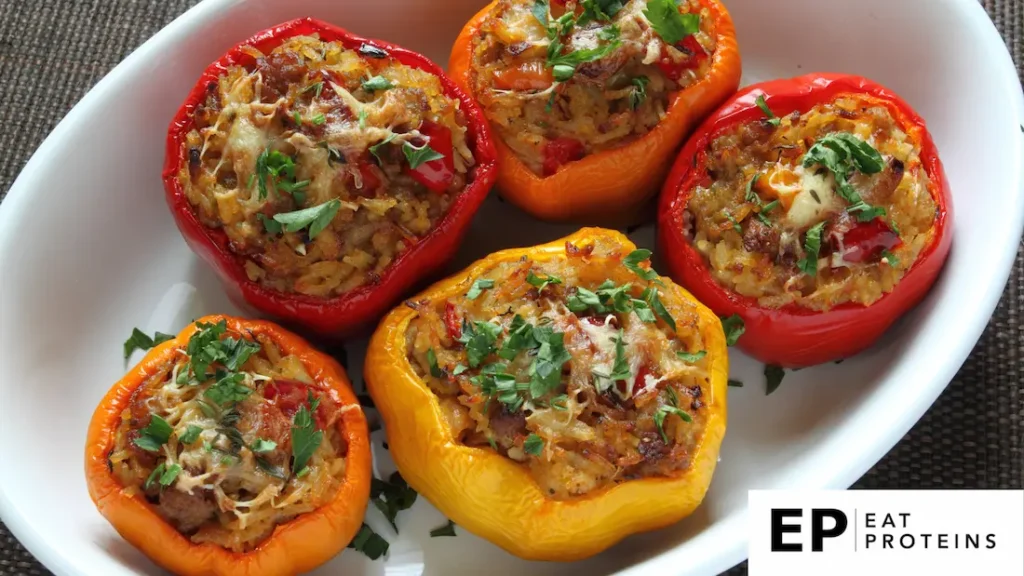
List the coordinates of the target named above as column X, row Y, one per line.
column 582, row 299
column 812, row 245
column 375, row 149
column 170, row 473
column 459, row 369
column 392, row 496
column 154, row 435
column 609, row 33
column 546, row 369
column 767, row 111
column 841, row 153
column 271, row 163
column 620, row 369
column 632, row 262
column 672, row 25
column 319, row 119
column 316, row 88
column 435, row 370
column 419, row 156
column 541, row 283
column 478, row 288
column 735, row 225
column 228, row 389
column 363, row 114
column 734, row 328
column 316, row 218
column 664, row 411
column 305, row 436
column 533, row 445
column 639, row 93
column 890, row 258
column 480, row 339
column 261, row 446
column 369, row 543
column 297, row 117
column 560, row 402
column 773, row 375
column 751, row 195
column 540, row 11
column 191, row 434
column 269, row 224
column 692, row 357
column 446, row 530
column 650, row 295
column 563, row 72
column 520, row 337
column 139, row 340
column 598, row 10
column 154, row 475
column 735, row 383
column 377, row 83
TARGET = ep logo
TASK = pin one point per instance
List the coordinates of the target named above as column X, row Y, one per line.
column 824, row 523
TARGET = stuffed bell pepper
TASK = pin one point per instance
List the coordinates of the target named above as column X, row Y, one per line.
column 815, row 208
column 322, row 174
column 554, row 399
column 589, row 99
column 232, row 449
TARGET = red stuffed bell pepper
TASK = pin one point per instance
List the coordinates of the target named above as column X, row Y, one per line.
column 323, row 175
column 814, row 208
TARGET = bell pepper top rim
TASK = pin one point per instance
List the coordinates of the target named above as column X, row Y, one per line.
column 572, row 529
column 300, row 544
column 624, row 177
column 350, row 311
column 784, row 96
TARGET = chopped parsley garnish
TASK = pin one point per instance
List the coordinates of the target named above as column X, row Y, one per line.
column 273, row 165
column 560, row 402
column 671, row 24
column 316, row 218
column 662, row 412
column 541, row 282
column 771, row 119
column 546, row 369
column 735, row 225
column 480, row 339
column 297, row 117
column 533, row 445
column 419, row 156
column 375, row 149
column 316, row 88
column 620, row 369
column 765, row 209
column 609, row 33
column 164, row 474
column 632, row 262
column 478, row 288
column 841, row 153
column 446, row 530
column 734, row 328
column 363, row 114
column 692, row 357
column 773, row 376
column 191, row 434
column 377, row 83
column 812, row 246
column 751, row 195
column 154, row 435
column 599, row 10
column 269, row 224
column 139, row 340
column 392, row 496
column 435, row 370
column 639, row 93
column 520, row 337
column 305, row 436
column 367, row 541
column 650, row 295
column 317, row 121
column 261, row 446
column 228, row 389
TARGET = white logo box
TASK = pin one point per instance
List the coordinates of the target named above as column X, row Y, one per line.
column 919, row 532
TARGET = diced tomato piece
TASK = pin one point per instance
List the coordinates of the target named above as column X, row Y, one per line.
column 290, row 395
column 559, row 152
column 867, row 240
column 531, row 75
column 438, row 174
column 370, row 180
column 689, row 46
column 452, row 322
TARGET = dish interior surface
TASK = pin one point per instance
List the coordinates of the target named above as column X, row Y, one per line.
column 107, row 257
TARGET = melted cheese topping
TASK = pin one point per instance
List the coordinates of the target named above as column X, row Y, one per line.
column 225, row 493
column 597, row 426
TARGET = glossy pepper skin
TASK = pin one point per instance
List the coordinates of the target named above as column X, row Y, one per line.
column 793, row 336
column 613, row 187
column 359, row 308
column 493, row 496
column 294, row 547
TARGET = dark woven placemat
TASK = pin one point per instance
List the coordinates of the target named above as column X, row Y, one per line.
column 53, row 51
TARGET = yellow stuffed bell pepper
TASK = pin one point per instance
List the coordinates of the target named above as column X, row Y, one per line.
column 554, row 399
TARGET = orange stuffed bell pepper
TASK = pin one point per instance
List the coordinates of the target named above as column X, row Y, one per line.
column 232, row 449
column 554, row 399
column 589, row 100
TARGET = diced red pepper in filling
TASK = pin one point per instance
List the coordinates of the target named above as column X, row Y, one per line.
column 559, row 152
column 370, row 180
column 436, row 175
column 452, row 322
column 867, row 240
column 689, row 46
column 289, row 395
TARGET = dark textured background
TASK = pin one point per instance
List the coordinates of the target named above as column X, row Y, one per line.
column 53, row 51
